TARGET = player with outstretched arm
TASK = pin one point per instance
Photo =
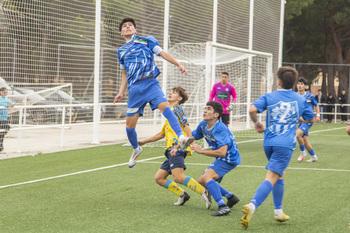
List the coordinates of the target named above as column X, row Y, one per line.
column 175, row 165
column 225, row 151
column 139, row 73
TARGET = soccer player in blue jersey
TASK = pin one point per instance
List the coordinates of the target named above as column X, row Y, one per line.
column 139, row 73
column 225, row 151
column 284, row 109
column 304, row 127
column 175, row 165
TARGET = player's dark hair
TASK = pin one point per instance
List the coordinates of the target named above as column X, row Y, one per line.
column 3, row 89
column 125, row 20
column 218, row 108
column 182, row 92
column 288, row 75
column 302, row 80
column 225, row 73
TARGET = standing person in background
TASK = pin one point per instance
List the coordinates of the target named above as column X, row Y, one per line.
column 284, row 109
column 321, row 99
column 343, row 99
column 139, row 74
column 4, row 126
column 222, row 92
column 304, row 127
column 330, row 106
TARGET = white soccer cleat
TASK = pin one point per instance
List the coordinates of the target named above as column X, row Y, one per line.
column 312, row 159
column 248, row 211
column 135, row 154
column 184, row 143
column 302, row 156
column 206, row 196
column 281, row 218
column 182, row 198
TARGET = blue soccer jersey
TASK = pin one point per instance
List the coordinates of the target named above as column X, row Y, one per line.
column 217, row 136
column 136, row 57
column 284, row 108
column 310, row 99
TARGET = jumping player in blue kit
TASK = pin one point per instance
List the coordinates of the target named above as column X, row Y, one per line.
column 139, row 73
column 284, row 109
column 303, row 127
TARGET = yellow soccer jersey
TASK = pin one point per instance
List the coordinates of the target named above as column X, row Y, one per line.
column 170, row 135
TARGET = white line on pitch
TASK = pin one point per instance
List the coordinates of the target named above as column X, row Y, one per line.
column 292, row 168
column 74, row 173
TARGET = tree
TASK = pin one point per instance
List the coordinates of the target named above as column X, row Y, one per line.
column 319, row 34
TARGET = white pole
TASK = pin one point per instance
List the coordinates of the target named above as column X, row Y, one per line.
column 215, row 29
column 96, row 124
column 208, row 55
column 250, row 47
column 165, row 48
column 283, row 2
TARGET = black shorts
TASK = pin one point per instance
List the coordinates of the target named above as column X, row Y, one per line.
column 171, row 162
column 225, row 118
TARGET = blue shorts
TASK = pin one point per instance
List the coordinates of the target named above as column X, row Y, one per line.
column 305, row 127
column 142, row 92
column 279, row 158
column 174, row 162
column 221, row 168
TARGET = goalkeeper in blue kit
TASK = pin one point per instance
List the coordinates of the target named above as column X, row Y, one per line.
column 139, row 73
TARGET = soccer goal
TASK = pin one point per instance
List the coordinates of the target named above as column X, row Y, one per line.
column 249, row 71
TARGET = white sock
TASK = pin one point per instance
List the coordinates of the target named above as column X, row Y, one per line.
column 137, row 149
column 251, row 207
column 278, row 213
column 182, row 137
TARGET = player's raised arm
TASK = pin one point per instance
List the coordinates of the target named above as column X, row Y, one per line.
column 172, row 60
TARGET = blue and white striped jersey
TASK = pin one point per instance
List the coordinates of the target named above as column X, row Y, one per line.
column 217, row 136
column 136, row 57
column 284, row 108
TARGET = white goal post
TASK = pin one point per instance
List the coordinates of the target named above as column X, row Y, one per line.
column 249, row 71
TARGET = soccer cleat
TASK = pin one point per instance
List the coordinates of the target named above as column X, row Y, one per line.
column 182, row 198
column 312, row 159
column 302, row 156
column 222, row 210
column 206, row 198
column 135, row 154
column 247, row 216
column 232, row 201
column 281, row 218
column 186, row 142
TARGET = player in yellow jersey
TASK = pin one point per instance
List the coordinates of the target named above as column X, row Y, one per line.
column 175, row 165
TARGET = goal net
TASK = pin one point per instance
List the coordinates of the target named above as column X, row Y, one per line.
column 249, row 71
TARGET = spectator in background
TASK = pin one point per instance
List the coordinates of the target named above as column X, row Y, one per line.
column 343, row 100
column 222, row 92
column 36, row 79
column 330, row 106
column 321, row 99
column 4, row 126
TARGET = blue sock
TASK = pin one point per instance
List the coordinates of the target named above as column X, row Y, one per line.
column 302, row 148
column 262, row 193
column 214, row 189
column 132, row 136
column 312, row 152
column 277, row 193
column 225, row 193
column 174, row 123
